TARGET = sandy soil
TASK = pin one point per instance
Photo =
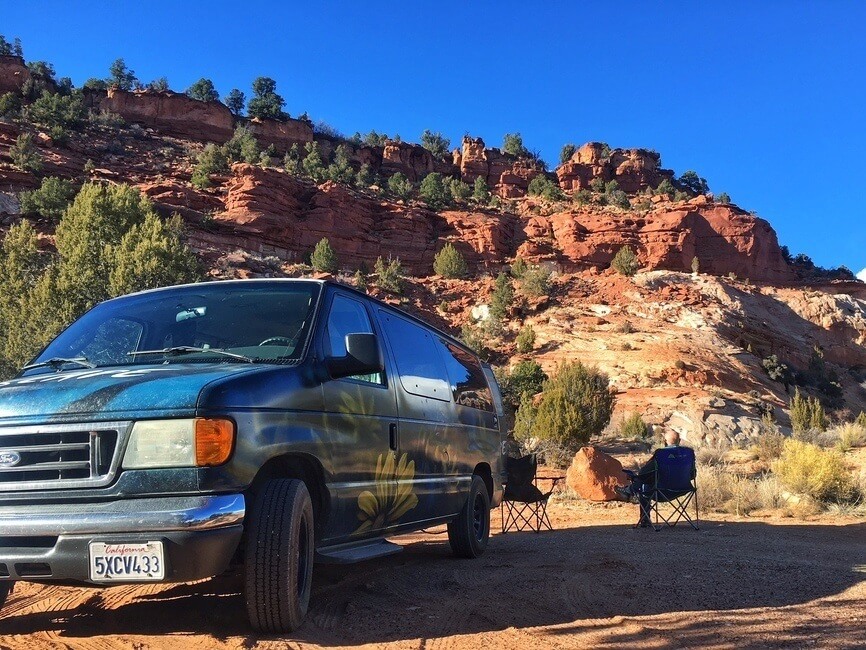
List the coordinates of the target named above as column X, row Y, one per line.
column 593, row 582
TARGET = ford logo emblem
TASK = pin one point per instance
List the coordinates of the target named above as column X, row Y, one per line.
column 9, row 458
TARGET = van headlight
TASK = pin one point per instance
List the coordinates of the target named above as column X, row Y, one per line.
column 194, row 442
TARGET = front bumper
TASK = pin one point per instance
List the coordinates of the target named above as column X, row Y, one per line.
column 51, row 542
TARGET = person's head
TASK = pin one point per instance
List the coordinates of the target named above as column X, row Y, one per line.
column 672, row 438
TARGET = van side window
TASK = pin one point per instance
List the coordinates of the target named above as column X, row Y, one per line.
column 419, row 363
column 347, row 317
column 468, row 383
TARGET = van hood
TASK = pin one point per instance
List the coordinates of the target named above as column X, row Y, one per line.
column 105, row 393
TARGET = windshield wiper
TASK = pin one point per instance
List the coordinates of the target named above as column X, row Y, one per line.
column 58, row 362
column 190, row 349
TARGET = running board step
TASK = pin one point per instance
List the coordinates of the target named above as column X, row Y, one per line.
column 357, row 552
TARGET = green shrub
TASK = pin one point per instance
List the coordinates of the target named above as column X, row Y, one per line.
column 525, row 378
column 373, row 139
column 449, row 263
column 502, row 299
column 340, row 171
column 366, row 177
column 807, row 415
column 861, row 420
column 512, row 143
column 566, row 153
column 617, row 198
column 235, row 101
column 10, row 105
column 473, row 337
column 211, row 160
column 633, row 427
column 55, row 110
column 389, row 275
column 723, row 198
column 203, row 90
column 525, row 340
column 121, row 76
column 159, row 85
column 696, row 265
column 292, row 160
column 50, row 200
column 576, row 404
column 666, row 187
column 400, row 186
column 535, row 282
column 242, row 147
column 24, row 154
column 769, row 444
column 777, row 371
column 313, row 165
column 480, row 192
column 625, row 262
column 265, row 102
column 544, row 187
column 805, row 468
column 693, row 183
column 459, row 190
column 597, row 185
column 433, row 191
column 435, row 143
column 518, row 268
column 324, row 259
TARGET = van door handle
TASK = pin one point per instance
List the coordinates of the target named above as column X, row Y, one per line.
column 392, row 436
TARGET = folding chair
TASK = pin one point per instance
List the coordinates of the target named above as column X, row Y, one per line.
column 524, row 505
column 672, row 482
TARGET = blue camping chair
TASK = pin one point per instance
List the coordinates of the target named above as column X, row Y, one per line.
column 671, row 482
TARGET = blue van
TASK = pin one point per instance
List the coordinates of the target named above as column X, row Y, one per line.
column 172, row 434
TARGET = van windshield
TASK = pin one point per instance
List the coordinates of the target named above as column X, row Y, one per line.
column 232, row 322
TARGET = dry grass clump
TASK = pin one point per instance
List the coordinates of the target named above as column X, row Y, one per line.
column 723, row 490
column 847, row 436
column 768, row 446
column 714, row 453
column 805, row 468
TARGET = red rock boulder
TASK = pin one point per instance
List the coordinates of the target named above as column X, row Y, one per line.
column 281, row 133
column 13, row 74
column 594, row 475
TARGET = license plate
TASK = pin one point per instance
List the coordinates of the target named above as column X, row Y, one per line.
column 125, row 562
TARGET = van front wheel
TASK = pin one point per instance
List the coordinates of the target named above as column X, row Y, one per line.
column 469, row 531
column 5, row 590
column 278, row 557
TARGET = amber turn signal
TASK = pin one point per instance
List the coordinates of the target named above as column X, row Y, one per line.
column 214, row 441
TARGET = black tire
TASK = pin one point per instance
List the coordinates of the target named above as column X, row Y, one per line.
column 5, row 590
column 278, row 557
column 469, row 531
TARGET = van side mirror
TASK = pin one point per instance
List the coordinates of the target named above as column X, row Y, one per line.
column 363, row 357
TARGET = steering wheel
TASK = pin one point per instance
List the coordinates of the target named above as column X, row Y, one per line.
column 278, row 340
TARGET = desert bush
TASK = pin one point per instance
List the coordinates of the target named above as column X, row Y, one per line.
column 512, row 143
column 807, row 469
column 713, row 453
column 235, row 101
column 449, row 263
column 693, row 183
column 203, row 90
column 861, row 420
column 474, row 337
column 480, row 191
column 626, row 327
column 633, row 427
column 723, row 198
column 399, row 186
column 848, row 435
column 535, row 282
column 366, row 177
column 340, row 170
column 777, row 371
column 502, row 299
column 265, row 102
column 807, row 414
column 159, row 85
column 524, row 378
column 665, row 187
column 324, row 258
column 389, row 275
column 433, row 191
column 768, row 445
column 435, row 143
column 544, row 187
column 10, row 105
column 242, row 147
column 51, row 198
column 24, row 154
column 53, row 110
column 313, row 165
column 696, row 265
column 518, row 268
column 625, row 262
column 459, row 190
column 211, row 160
column 525, row 340
column 575, row 404
column 566, row 153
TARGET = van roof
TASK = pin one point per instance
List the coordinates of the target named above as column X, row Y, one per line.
column 324, row 282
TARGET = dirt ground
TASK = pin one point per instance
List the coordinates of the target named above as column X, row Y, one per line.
column 593, row 582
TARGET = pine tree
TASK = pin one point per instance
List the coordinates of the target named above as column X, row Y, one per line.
column 236, row 100
column 324, row 259
column 203, row 90
column 449, row 263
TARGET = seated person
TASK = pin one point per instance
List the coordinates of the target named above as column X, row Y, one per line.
column 642, row 482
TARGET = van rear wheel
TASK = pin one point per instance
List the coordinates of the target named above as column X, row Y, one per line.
column 469, row 531
column 5, row 590
column 278, row 557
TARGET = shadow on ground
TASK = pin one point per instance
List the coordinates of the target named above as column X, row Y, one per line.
column 567, row 578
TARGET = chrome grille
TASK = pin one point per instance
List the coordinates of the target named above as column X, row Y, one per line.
column 60, row 456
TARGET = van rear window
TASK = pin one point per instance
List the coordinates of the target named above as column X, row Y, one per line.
column 468, row 383
column 421, row 367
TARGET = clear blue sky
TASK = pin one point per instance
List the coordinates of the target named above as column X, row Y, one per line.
column 766, row 100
